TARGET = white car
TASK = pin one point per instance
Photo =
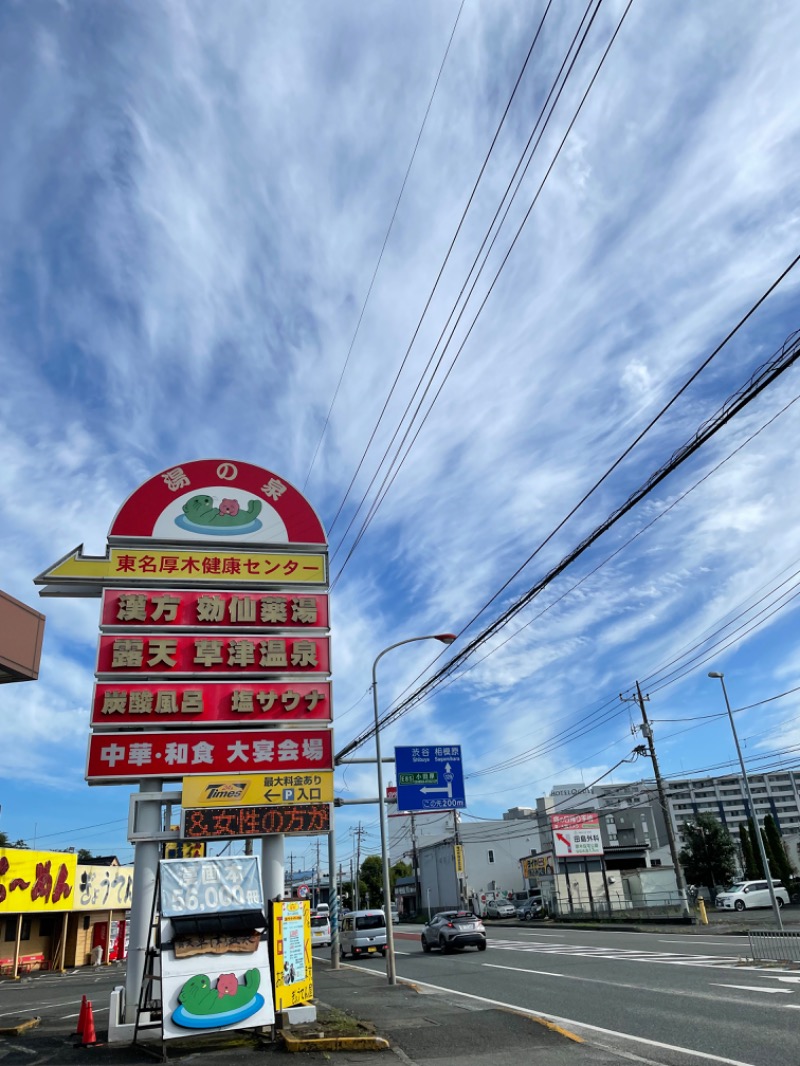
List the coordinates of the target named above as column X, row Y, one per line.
column 746, row 894
column 500, row 908
column 320, row 930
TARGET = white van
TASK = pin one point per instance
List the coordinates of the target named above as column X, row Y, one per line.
column 363, row 933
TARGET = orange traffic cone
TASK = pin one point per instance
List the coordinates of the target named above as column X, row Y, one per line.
column 89, row 1035
column 81, row 1018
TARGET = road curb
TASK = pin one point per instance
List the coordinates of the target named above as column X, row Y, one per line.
column 334, row 1043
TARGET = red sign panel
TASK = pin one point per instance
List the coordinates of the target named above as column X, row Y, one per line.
column 214, row 703
column 131, row 756
column 208, row 655
column 174, row 608
column 213, row 823
column 218, row 500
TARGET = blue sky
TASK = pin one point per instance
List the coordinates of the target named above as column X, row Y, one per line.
column 193, row 200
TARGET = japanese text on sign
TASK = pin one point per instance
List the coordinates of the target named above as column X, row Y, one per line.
column 197, row 886
column 118, row 705
column 36, row 881
column 236, row 822
column 216, row 566
column 203, row 609
column 114, row 756
column 195, row 655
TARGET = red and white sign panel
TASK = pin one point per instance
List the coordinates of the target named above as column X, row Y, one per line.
column 137, row 705
column 576, row 835
column 218, row 500
column 172, row 608
column 121, row 757
column 134, row 653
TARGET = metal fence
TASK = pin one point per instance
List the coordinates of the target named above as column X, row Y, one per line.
column 768, row 944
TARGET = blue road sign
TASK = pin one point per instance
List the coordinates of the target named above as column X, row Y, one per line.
column 429, row 778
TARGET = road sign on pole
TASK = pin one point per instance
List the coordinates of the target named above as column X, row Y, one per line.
column 429, row 777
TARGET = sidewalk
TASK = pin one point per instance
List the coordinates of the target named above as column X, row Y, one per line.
column 445, row 1029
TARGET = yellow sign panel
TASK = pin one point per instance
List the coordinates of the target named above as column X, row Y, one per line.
column 458, row 851
column 291, row 961
column 206, row 566
column 36, row 880
column 185, row 849
column 102, row 888
column 257, row 790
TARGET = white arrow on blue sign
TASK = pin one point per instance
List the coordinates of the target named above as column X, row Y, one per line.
column 429, row 778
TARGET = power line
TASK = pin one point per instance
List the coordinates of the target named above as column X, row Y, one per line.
column 383, row 246
column 763, row 377
column 440, row 273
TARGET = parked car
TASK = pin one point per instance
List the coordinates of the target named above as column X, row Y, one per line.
column 453, row 930
column 500, row 908
column 529, row 909
column 320, row 930
column 746, row 894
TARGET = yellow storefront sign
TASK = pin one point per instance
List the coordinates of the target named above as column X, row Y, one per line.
column 36, row 880
column 199, row 566
column 102, row 888
column 257, row 790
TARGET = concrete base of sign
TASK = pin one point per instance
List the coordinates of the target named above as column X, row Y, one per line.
column 300, row 1015
column 122, row 1032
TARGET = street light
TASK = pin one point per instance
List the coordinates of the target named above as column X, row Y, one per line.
column 391, row 970
column 762, row 851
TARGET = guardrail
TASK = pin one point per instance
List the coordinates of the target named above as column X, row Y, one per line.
column 769, row 944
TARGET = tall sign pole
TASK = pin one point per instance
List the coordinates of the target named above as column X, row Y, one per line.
column 214, row 659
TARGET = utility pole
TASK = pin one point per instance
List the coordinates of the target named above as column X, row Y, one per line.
column 417, row 899
column 647, row 733
column 315, row 894
column 359, row 832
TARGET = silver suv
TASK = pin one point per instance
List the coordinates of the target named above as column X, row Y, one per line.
column 746, row 894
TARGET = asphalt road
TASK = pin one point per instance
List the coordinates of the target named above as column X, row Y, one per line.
column 667, row 997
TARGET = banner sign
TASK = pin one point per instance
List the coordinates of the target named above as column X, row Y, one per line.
column 102, row 888
column 576, row 835
column 218, row 823
column 291, row 963
column 538, row 865
column 206, row 655
column 36, row 880
column 251, row 790
column 171, row 608
column 230, row 985
column 135, row 704
column 210, row 886
column 133, row 756
column 155, row 565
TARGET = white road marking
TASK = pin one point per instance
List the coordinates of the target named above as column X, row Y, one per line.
column 41, row 1006
column 694, row 939
column 568, row 1023
column 669, row 958
column 755, row 988
column 544, row 973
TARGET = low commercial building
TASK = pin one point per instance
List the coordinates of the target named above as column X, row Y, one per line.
column 56, row 913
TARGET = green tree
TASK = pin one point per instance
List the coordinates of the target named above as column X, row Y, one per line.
column 709, row 854
column 749, row 863
column 3, row 840
column 372, row 880
column 780, row 867
column 400, row 869
column 84, row 855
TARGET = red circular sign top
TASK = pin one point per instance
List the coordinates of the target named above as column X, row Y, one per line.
column 214, row 500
